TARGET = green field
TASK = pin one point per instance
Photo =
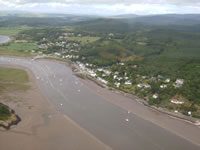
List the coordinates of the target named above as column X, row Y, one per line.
column 4, row 112
column 13, row 75
column 11, row 80
column 17, row 49
column 12, row 31
column 84, row 40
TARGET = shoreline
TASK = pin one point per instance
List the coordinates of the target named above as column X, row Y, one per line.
column 9, row 39
column 135, row 101
column 14, row 119
column 77, row 71
column 41, row 123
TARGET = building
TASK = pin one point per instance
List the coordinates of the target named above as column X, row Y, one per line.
column 117, row 84
column 163, row 86
column 128, row 83
column 179, row 83
column 175, row 101
column 155, row 96
column 167, row 80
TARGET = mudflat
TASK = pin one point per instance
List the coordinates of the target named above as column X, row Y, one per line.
column 42, row 127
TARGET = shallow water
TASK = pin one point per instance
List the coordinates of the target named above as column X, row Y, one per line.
column 4, row 39
column 111, row 124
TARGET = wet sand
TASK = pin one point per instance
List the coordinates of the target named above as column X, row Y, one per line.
column 42, row 127
column 132, row 104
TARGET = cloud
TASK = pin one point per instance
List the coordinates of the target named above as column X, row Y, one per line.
column 104, row 7
column 170, row 2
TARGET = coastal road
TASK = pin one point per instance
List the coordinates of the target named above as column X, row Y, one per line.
column 110, row 123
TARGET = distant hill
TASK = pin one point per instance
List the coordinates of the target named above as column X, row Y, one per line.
column 131, row 23
column 129, row 16
column 169, row 19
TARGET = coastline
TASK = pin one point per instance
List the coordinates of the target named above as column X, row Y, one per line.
column 77, row 71
column 13, row 120
column 181, row 128
column 7, row 41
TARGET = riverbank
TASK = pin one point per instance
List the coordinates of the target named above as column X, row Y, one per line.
column 131, row 106
column 5, row 39
column 42, row 127
column 79, row 73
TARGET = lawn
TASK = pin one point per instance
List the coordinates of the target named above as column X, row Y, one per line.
column 4, row 112
column 13, row 75
column 11, row 80
column 18, row 49
column 84, row 40
column 12, row 31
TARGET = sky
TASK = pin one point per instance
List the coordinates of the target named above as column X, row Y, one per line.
column 103, row 7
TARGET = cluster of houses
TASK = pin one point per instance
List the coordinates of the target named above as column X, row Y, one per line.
column 126, row 81
column 66, row 35
column 63, row 49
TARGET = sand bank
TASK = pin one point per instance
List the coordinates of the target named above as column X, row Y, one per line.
column 42, row 127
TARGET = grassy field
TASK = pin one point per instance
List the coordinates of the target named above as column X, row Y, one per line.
column 4, row 112
column 21, row 46
column 12, row 31
column 13, row 75
column 84, row 40
column 18, row 49
column 11, row 80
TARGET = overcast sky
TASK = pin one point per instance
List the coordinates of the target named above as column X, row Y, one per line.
column 104, row 7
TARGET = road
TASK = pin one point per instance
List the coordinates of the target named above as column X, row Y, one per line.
column 113, row 125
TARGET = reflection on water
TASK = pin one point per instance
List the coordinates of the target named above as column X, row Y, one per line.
column 4, row 39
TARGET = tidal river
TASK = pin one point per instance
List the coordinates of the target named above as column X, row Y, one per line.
column 110, row 123
column 4, row 39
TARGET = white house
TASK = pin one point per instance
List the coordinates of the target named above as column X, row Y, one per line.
column 117, row 84
column 128, row 83
column 102, row 80
column 175, row 101
column 155, row 96
column 179, row 83
column 147, row 86
column 140, row 85
column 163, row 86
column 167, row 80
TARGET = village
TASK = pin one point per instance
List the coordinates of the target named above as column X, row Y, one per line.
column 142, row 85
column 103, row 75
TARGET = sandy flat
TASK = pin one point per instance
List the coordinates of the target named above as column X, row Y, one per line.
column 42, row 127
column 132, row 104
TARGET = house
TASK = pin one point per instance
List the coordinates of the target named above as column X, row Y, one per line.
column 100, row 69
column 122, row 64
column 107, row 72
column 102, row 80
column 189, row 113
column 115, row 76
column 163, row 86
column 128, row 83
column 155, row 96
column 179, row 83
column 117, row 84
column 167, row 80
column 175, row 101
column 147, row 86
column 58, row 54
column 134, row 66
column 140, row 85
column 126, row 78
